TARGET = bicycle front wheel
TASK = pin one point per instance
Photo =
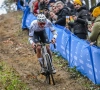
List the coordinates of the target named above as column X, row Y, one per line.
column 49, row 65
column 49, row 69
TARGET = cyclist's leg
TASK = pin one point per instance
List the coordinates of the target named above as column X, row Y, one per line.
column 38, row 49
column 44, row 39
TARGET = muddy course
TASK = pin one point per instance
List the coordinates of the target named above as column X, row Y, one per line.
column 18, row 54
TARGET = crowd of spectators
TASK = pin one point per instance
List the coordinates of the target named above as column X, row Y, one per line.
column 82, row 21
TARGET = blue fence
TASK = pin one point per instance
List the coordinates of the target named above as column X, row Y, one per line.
column 78, row 52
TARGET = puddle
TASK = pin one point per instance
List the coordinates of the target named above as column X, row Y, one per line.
column 7, row 6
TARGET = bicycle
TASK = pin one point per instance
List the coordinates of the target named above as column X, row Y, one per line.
column 47, row 64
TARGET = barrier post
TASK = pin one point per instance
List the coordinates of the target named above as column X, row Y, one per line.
column 91, row 58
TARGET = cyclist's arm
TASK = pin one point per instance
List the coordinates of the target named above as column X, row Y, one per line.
column 31, row 33
column 30, row 39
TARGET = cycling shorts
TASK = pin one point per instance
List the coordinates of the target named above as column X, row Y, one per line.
column 40, row 36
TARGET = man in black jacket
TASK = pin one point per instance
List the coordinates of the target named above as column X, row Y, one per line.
column 62, row 13
column 80, row 20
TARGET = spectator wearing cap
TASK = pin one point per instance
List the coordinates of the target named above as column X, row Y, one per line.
column 95, row 34
column 80, row 24
column 46, row 12
column 92, row 19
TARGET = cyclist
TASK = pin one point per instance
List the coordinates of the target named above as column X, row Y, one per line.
column 37, row 32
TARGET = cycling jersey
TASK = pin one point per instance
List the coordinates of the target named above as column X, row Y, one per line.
column 35, row 28
column 40, row 37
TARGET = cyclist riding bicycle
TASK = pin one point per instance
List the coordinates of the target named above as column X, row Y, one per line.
column 37, row 32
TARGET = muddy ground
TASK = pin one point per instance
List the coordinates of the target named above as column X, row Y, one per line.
column 18, row 54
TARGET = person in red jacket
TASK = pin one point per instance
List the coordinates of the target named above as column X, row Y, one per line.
column 36, row 8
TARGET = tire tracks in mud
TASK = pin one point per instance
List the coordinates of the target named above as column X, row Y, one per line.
column 18, row 54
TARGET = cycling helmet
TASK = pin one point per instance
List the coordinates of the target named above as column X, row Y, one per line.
column 41, row 18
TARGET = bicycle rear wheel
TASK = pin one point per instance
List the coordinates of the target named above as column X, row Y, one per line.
column 49, row 70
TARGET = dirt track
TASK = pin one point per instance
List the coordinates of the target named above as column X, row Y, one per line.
column 16, row 51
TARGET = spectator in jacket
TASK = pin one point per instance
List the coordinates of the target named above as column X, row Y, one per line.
column 95, row 34
column 43, row 4
column 92, row 19
column 62, row 13
column 36, row 7
column 46, row 12
column 80, row 25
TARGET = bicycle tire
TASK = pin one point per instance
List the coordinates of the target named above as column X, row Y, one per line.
column 49, row 67
column 48, row 79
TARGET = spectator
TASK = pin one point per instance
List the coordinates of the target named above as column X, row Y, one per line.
column 62, row 13
column 55, row 9
column 95, row 34
column 46, row 12
column 43, row 4
column 91, row 19
column 53, row 16
column 36, row 7
column 51, row 4
column 80, row 25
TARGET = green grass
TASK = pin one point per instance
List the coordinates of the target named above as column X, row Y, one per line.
column 9, row 79
column 74, row 74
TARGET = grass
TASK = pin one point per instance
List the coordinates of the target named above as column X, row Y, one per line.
column 9, row 79
column 74, row 74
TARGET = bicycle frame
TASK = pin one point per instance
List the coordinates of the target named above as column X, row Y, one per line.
column 47, row 63
column 44, row 53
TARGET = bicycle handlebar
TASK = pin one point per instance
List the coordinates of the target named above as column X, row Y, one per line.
column 42, row 44
column 49, row 43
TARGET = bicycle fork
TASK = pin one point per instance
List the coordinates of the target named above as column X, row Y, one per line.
column 44, row 52
column 47, row 65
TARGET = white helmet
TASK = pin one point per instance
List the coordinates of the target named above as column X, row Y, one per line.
column 41, row 18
